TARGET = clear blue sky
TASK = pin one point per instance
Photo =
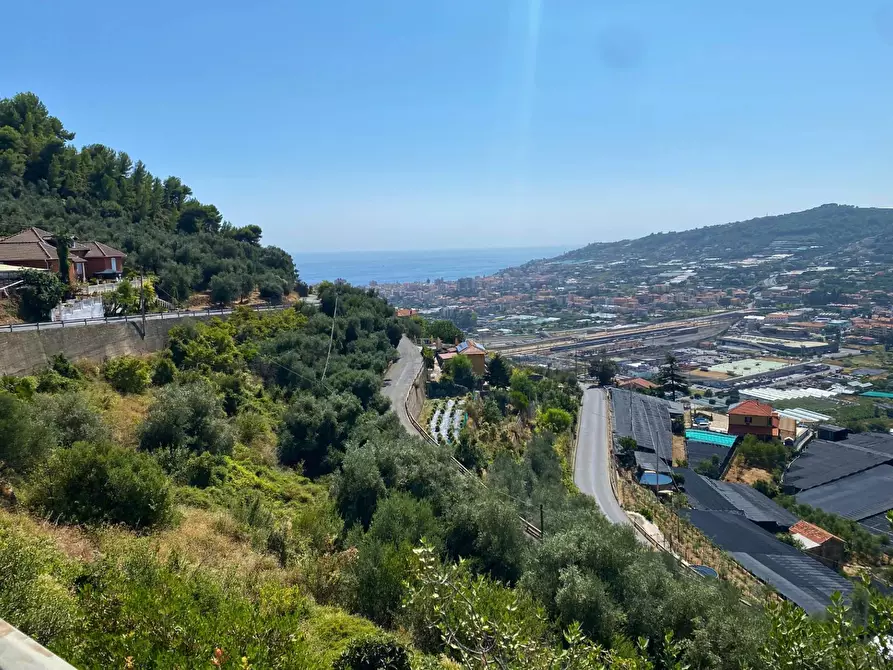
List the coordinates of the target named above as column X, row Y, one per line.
column 471, row 123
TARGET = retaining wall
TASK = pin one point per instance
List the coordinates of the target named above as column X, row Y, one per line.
column 23, row 352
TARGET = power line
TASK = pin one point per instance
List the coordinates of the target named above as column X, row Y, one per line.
column 332, row 336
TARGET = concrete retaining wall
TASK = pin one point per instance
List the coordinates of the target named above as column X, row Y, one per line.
column 23, row 352
column 415, row 399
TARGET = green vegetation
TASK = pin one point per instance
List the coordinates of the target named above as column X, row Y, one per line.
column 860, row 543
column 39, row 294
column 769, row 455
column 262, row 507
column 102, row 194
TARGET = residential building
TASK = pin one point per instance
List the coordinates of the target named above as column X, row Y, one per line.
column 818, row 542
column 477, row 353
column 753, row 417
column 36, row 248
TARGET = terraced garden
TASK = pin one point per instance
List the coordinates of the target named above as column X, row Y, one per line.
column 447, row 419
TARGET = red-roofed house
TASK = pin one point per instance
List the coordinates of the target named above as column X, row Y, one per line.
column 475, row 352
column 636, row 384
column 753, row 417
column 36, row 248
column 828, row 548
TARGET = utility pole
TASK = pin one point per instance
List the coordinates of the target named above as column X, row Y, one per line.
column 143, row 304
column 542, row 527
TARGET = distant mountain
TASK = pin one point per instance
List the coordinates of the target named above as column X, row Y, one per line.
column 825, row 230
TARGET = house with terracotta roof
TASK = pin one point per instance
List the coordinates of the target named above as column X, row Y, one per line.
column 36, row 248
column 477, row 353
column 753, row 417
column 818, row 542
column 636, row 384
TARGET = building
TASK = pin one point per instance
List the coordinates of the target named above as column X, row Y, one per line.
column 753, row 417
column 636, row 384
column 818, row 542
column 477, row 353
column 36, row 248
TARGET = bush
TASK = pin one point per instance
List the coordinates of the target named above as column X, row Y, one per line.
column 127, row 374
column 373, row 653
column 225, row 288
column 73, row 417
column 271, row 287
column 555, row 420
column 102, row 483
column 187, row 416
column 39, row 293
column 164, row 373
column 24, row 440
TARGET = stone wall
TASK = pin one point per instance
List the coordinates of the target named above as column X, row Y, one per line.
column 23, row 352
column 415, row 399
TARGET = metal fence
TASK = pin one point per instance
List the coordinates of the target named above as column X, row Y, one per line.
column 137, row 318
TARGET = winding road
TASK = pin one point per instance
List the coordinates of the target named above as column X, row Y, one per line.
column 399, row 378
column 592, row 463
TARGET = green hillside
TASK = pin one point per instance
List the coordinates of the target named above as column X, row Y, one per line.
column 826, row 229
column 98, row 193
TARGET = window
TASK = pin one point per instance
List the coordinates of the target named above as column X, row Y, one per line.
column 115, row 264
column 748, row 420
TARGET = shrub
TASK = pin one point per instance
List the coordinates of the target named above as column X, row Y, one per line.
column 127, row 374
column 102, row 483
column 187, row 416
column 225, row 288
column 271, row 287
column 65, row 367
column 24, row 441
column 555, row 420
column 73, row 417
column 373, row 653
column 164, row 373
column 40, row 293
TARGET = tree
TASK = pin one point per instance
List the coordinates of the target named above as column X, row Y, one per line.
column 26, row 439
column 271, row 288
column 225, row 288
column 126, row 297
column 63, row 243
column 428, row 357
column 103, row 483
column 127, row 374
column 40, row 293
column 250, row 234
column 555, row 420
column 72, row 416
column 603, row 368
column 671, row 377
column 445, row 331
column 499, row 372
column 187, row 416
column 459, row 370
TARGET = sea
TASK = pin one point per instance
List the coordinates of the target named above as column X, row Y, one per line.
column 387, row 267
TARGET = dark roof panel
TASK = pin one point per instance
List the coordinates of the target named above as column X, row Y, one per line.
column 755, row 506
column 878, row 524
column 795, row 575
column 699, row 452
column 645, row 419
column 822, row 461
column 699, row 492
column 855, row 497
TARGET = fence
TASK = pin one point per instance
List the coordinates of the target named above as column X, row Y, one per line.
column 154, row 316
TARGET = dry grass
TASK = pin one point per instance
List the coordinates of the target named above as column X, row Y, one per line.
column 686, row 540
column 212, row 539
column 680, row 454
column 121, row 413
column 9, row 312
column 73, row 541
column 738, row 472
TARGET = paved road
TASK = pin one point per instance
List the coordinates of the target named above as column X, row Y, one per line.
column 592, row 463
column 399, row 379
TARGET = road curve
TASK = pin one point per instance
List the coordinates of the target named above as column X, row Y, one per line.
column 399, row 378
column 593, row 460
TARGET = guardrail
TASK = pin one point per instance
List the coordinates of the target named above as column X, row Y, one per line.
column 151, row 316
column 20, row 652
column 531, row 529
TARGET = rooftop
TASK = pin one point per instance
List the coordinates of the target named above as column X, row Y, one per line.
column 751, row 408
column 812, row 532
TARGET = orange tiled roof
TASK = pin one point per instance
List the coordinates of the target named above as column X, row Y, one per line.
column 812, row 532
column 751, row 408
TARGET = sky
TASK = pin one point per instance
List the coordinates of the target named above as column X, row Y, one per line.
column 399, row 124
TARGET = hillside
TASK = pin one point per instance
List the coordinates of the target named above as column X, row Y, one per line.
column 99, row 193
column 828, row 229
